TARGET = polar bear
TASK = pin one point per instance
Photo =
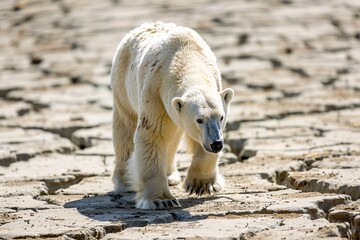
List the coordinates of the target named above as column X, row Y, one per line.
column 166, row 84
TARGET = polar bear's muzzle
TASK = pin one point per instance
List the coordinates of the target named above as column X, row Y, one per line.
column 212, row 137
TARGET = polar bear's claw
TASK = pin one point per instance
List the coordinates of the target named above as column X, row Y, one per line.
column 198, row 191
column 167, row 204
column 158, row 204
column 200, row 188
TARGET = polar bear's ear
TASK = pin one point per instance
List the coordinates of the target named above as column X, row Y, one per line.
column 177, row 103
column 227, row 95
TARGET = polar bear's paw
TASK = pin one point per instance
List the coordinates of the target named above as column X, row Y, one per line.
column 158, row 204
column 174, row 178
column 198, row 186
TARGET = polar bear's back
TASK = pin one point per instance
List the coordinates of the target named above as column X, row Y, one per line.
column 142, row 45
column 136, row 44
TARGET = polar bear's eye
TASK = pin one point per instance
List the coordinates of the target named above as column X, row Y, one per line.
column 199, row 120
column 221, row 118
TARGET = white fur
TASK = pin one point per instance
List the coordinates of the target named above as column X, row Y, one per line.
column 164, row 77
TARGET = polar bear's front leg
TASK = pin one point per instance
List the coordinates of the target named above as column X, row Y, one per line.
column 147, row 169
column 203, row 176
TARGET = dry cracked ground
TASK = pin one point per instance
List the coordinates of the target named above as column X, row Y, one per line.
column 292, row 160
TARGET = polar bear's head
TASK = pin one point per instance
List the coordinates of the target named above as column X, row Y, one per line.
column 203, row 114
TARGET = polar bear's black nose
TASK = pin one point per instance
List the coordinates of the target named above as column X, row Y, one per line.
column 216, row 146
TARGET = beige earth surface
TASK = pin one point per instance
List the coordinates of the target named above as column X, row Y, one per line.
column 292, row 160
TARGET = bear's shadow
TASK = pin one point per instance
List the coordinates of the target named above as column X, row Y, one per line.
column 121, row 207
